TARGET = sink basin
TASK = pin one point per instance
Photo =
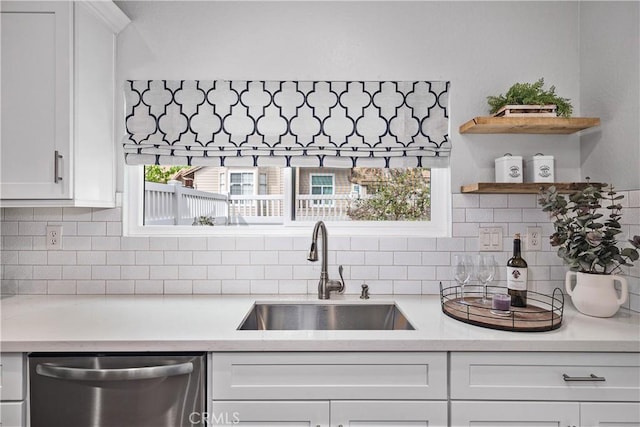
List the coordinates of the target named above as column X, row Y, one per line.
column 313, row 316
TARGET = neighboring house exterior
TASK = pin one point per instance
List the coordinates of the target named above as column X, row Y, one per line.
column 269, row 180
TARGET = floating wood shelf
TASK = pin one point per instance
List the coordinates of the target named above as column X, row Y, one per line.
column 522, row 188
column 535, row 125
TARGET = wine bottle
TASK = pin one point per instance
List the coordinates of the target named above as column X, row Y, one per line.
column 517, row 276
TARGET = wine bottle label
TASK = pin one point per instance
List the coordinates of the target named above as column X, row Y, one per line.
column 517, row 278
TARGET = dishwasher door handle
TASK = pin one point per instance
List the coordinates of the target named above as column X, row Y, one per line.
column 124, row 374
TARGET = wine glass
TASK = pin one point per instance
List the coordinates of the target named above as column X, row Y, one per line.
column 462, row 268
column 485, row 272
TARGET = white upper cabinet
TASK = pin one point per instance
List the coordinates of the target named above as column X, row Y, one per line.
column 58, row 85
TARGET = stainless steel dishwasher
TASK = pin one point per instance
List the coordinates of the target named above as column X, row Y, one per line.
column 117, row 389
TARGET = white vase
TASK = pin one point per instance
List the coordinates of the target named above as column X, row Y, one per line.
column 595, row 294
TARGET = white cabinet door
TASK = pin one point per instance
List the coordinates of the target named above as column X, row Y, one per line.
column 610, row 414
column 515, row 414
column 12, row 414
column 36, row 100
column 269, row 413
column 388, row 413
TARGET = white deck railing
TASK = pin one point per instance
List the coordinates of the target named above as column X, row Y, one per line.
column 167, row 204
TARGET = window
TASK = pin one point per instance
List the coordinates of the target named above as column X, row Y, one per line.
column 376, row 201
column 240, row 183
column 322, row 185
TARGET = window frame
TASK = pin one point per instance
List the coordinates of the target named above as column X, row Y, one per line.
column 333, row 188
column 439, row 226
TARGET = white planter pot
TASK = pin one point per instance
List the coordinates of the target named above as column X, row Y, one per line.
column 595, row 294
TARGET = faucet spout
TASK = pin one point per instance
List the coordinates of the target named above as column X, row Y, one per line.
column 325, row 286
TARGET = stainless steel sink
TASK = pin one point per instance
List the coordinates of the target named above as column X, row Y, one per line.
column 313, row 316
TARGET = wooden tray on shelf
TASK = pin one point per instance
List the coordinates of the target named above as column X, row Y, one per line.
column 543, row 312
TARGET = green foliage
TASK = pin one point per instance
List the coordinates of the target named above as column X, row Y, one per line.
column 160, row 174
column 531, row 94
column 586, row 232
column 401, row 195
column 204, row 220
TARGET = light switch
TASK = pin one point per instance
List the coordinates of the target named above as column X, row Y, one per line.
column 490, row 239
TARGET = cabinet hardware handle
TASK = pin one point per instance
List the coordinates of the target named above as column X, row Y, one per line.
column 591, row 377
column 56, row 166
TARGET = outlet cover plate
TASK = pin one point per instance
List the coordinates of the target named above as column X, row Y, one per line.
column 54, row 237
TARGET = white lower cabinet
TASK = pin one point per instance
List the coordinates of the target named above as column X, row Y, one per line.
column 329, row 389
column 12, row 390
column 545, row 389
column 340, row 413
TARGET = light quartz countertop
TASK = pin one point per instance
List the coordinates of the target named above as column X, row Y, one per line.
column 209, row 323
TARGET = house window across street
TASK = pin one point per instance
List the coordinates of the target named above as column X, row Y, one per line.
column 262, row 198
column 322, row 185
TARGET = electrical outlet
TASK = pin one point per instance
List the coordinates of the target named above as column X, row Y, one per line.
column 534, row 238
column 54, row 237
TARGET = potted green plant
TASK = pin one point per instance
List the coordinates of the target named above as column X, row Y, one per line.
column 531, row 94
column 587, row 227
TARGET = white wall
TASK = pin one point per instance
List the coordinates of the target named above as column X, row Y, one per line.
column 610, row 89
column 481, row 47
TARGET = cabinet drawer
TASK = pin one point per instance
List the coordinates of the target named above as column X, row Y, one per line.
column 12, row 414
column 329, row 375
column 541, row 376
column 11, row 376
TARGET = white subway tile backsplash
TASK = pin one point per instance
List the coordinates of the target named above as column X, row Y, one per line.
column 131, row 272
column 277, row 244
column 32, row 257
column 47, row 272
column 522, row 200
column 350, row 258
column 249, row 243
column 61, row 287
column 264, row 257
column 264, row 286
column 360, row 243
column 236, row 287
column 106, row 243
column 76, row 272
column 107, row 214
column 91, row 287
column 393, row 244
column 192, row 243
column 203, row 287
column 75, row 243
column 95, row 258
column 192, row 272
column 280, row 272
column 479, row 215
column 164, row 272
column 407, row 258
column 93, row 229
column 178, row 257
column 149, row 287
column 120, row 287
column 460, row 200
column 105, row 272
column 178, row 287
column 121, row 257
column 91, row 257
column 130, row 243
column 494, row 201
column 149, row 258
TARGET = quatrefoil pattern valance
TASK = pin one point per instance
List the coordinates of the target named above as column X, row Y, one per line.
column 287, row 123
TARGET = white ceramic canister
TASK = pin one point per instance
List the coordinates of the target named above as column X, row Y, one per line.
column 539, row 168
column 508, row 168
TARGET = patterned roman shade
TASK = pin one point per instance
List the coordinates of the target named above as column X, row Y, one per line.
column 287, row 123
